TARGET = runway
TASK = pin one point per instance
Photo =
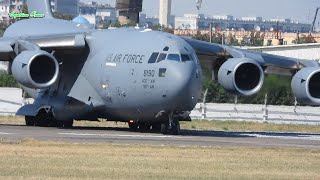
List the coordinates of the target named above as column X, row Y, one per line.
column 186, row 139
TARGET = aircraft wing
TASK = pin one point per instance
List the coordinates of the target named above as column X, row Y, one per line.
column 10, row 46
column 242, row 72
column 213, row 55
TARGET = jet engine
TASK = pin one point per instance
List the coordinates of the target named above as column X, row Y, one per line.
column 306, row 85
column 241, row 76
column 35, row 69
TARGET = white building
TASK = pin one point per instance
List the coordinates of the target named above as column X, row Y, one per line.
column 223, row 17
column 4, row 11
column 281, row 20
column 251, row 18
column 165, row 12
column 188, row 21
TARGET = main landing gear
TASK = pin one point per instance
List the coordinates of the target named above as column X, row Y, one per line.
column 46, row 119
column 170, row 126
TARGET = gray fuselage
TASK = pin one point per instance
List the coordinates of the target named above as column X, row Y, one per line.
column 128, row 73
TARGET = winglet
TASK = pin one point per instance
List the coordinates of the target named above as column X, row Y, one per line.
column 41, row 6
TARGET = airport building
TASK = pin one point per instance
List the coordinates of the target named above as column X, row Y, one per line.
column 67, row 7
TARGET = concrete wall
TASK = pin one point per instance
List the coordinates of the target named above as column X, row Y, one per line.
column 10, row 101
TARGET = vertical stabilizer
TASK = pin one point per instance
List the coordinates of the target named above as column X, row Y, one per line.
column 41, row 6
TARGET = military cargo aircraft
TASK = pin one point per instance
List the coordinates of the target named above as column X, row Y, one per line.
column 149, row 79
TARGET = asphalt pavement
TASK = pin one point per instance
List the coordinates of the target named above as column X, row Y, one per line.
column 186, row 139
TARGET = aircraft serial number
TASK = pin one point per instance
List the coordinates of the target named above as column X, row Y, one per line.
column 149, row 73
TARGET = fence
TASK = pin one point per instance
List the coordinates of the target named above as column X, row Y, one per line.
column 11, row 100
column 258, row 113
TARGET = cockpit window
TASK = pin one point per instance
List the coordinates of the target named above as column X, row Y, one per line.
column 162, row 57
column 185, row 57
column 153, row 58
column 173, row 57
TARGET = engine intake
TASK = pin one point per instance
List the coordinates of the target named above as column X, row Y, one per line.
column 35, row 69
column 306, row 85
column 241, row 76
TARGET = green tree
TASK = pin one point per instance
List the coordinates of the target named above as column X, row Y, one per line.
column 232, row 40
column 118, row 25
column 254, row 39
column 159, row 27
column 25, row 9
column 304, row 39
column 216, row 37
column 7, row 81
column 277, row 87
column 59, row 15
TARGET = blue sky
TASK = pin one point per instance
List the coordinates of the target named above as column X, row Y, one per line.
column 297, row 10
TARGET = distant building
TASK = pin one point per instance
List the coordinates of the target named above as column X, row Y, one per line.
column 107, row 13
column 67, row 7
column 101, row 14
column 224, row 17
column 129, row 11
column 148, row 21
column 7, row 6
column 220, row 23
column 4, row 11
column 251, row 19
column 281, row 20
column 16, row 5
column 188, row 21
column 165, row 12
column 88, row 8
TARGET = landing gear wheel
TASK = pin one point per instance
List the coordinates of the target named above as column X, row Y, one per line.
column 30, row 121
column 144, row 127
column 156, row 127
column 68, row 124
column 133, row 126
column 65, row 124
column 171, row 127
column 164, row 128
column 42, row 120
column 175, row 128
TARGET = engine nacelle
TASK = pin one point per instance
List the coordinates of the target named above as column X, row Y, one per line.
column 306, row 85
column 35, row 69
column 241, row 76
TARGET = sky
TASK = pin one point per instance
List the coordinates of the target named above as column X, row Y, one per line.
column 297, row 10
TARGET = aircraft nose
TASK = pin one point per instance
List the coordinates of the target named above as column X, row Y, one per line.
column 187, row 86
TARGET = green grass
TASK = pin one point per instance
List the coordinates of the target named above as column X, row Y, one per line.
column 239, row 126
column 232, row 126
column 47, row 160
